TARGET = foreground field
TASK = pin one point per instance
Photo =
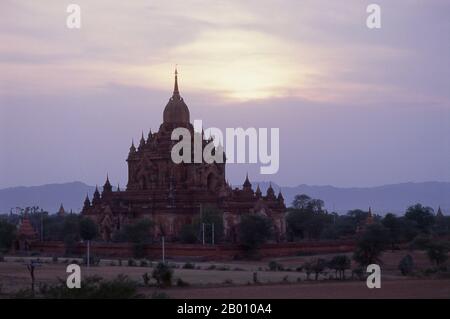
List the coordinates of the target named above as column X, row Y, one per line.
column 236, row 279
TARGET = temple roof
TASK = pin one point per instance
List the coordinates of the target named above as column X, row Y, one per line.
column 176, row 111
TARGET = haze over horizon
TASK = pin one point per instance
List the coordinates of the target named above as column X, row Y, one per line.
column 355, row 107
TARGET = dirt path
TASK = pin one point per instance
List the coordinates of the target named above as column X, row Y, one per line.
column 350, row 290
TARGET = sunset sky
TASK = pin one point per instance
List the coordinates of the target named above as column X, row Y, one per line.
column 355, row 107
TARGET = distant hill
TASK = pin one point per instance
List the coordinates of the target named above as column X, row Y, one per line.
column 388, row 198
column 47, row 197
column 394, row 198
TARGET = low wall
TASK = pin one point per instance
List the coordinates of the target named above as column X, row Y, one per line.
column 208, row 252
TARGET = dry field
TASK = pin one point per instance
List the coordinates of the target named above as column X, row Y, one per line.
column 236, row 281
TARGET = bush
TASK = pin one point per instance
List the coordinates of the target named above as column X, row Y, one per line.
column 160, row 295
column 94, row 287
column 144, row 263
column 420, row 242
column 93, row 260
column 274, row 266
column 189, row 266
column 188, row 234
column 371, row 245
column 146, row 277
column 340, row 264
column 223, row 268
column 211, row 267
column 437, row 253
column 2, row 258
column 182, row 283
column 163, row 275
column 406, row 265
column 359, row 273
column 55, row 259
column 132, row 263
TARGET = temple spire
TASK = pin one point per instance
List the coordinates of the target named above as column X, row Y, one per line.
column 176, row 92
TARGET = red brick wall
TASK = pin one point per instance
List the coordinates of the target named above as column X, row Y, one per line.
column 216, row 252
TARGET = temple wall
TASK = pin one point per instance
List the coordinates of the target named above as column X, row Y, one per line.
column 209, row 252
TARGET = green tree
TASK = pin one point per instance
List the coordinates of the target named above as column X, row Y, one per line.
column 163, row 275
column 318, row 266
column 254, row 230
column 300, row 201
column 371, row 245
column 188, row 234
column 88, row 231
column 437, row 252
column 70, row 232
column 139, row 233
column 406, row 265
column 7, row 235
column 210, row 216
column 422, row 216
column 393, row 225
column 340, row 263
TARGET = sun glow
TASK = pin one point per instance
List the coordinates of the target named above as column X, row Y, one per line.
column 236, row 64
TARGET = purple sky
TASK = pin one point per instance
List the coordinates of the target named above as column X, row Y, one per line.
column 355, row 107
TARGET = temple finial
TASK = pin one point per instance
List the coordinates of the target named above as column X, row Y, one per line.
column 176, row 92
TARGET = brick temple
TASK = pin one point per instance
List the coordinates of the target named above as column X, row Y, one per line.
column 172, row 195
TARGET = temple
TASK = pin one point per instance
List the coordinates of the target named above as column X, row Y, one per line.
column 172, row 195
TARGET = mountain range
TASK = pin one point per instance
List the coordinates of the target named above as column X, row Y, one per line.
column 393, row 198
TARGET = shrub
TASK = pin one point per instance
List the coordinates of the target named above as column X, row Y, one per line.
column 371, row 245
column 189, row 266
column 182, row 283
column 254, row 230
column 359, row 273
column 274, row 266
column 188, row 234
column 223, row 268
column 437, row 253
column 160, row 295
column 144, row 263
column 55, row 259
column 339, row 264
column 211, row 267
column 94, row 287
column 146, row 277
column 255, row 277
column 406, row 265
column 163, row 275
column 23, row 294
column 420, row 242
column 132, row 263
column 2, row 258
column 318, row 266
column 93, row 260
column 228, row 282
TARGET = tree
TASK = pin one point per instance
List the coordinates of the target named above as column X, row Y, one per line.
column 300, row 201
column 139, row 233
column 163, row 275
column 210, row 216
column 7, row 235
column 371, row 244
column 340, row 264
column 393, row 224
column 406, row 265
column 422, row 216
column 318, row 266
column 254, row 230
column 188, row 234
column 70, row 232
column 88, row 231
column 437, row 253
